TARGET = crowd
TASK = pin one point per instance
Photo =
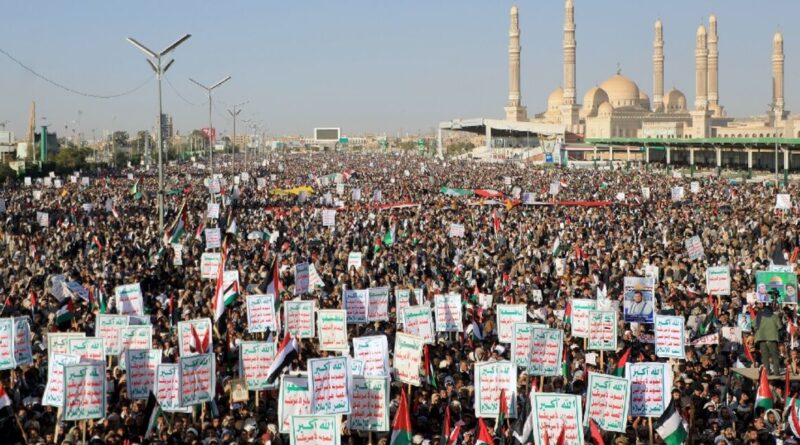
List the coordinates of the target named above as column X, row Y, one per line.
column 606, row 225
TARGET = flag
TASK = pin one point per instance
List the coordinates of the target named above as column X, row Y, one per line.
column 114, row 211
column 201, row 346
column 102, row 300
column 484, row 436
column 288, row 350
column 429, row 370
column 233, row 228
column 764, row 394
column 794, row 422
column 452, row 438
column 670, row 426
column 523, row 427
column 708, row 323
column 580, row 254
column 502, row 413
column 446, row 427
column 557, row 247
column 135, row 190
column 66, row 313
column 594, row 431
column 496, row 222
column 199, row 231
column 219, row 294
column 4, row 399
column 175, row 231
column 151, row 412
column 568, row 313
column 749, row 354
column 97, row 243
column 619, row 370
column 565, row 365
column 274, row 287
column 401, row 427
column 32, row 297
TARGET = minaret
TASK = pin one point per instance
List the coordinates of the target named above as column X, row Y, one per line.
column 658, row 69
column 701, row 70
column 569, row 108
column 777, row 75
column 514, row 109
column 713, row 71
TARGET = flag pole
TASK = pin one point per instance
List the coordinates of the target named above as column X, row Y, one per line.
column 650, row 427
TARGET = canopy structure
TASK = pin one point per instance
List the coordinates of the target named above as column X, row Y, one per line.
column 502, row 133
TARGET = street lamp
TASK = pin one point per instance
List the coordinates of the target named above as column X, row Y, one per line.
column 159, row 70
column 210, row 128
column 235, row 112
column 774, row 111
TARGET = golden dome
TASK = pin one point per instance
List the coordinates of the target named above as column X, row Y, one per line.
column 594, row 97
column 605, row 109
column 644, row 100
column 556, row 98
column 675, row 101
column 622, row 92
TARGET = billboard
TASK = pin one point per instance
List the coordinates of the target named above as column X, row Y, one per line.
column 327, row 134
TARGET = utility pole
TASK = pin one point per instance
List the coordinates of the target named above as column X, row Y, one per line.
column 210, row 128
column 235, row 112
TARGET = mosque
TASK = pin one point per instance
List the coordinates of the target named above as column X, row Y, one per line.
column 619, row 112
column 619, row 108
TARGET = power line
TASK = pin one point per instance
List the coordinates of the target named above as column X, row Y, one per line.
column 72, row 90
column 175, row 90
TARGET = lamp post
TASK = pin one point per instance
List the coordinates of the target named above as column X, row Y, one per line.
column 159, row 70
column 234, row 113
column 210, row 128
column 773, row 111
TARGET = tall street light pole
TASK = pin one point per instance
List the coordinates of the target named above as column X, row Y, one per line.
column 234, row 113
column 210, row 128
column 159, row 70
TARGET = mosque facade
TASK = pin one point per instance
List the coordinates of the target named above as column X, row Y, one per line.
column 619, row 108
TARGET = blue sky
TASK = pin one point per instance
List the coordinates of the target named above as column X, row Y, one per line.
column 365, row 65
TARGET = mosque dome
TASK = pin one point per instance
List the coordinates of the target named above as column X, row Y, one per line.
column 622, row 92
column 605, row 109
column 644, row 100
column 592, row 99
column 555, row 99
column 675, row 101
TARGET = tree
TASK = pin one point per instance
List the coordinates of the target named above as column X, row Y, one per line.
column 120, row 139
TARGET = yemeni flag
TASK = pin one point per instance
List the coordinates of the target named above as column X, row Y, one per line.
column 619, row 369
column 595, row 433
column 175, row 231
column 764, row 395
column 484, row 436
column 670, row 426
column 287, row 351
column 4, row 399
column 401, row 427
column 792, row 419
column 66, row 313
column 502, row 413
column 496, row 222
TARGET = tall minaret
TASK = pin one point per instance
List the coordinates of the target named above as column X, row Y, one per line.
column 569, row 108
column 514, row 109
column 701, row 70
column 713, row 71
column 658, row 69
column 777, row 75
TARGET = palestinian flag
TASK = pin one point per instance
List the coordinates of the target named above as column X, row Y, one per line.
column 175, row 231
column 557, row 247
column 670, row 426
column 708, row 323
column 151, row 413
column 401, row 427
column 502, row 413
column 595, row 433
column 764, row 394
column 484, row 436
column 66, row 313
column 135, row 190
column 568, row 313
column 452, row 438
column 523, row 427
column 388, row 239
column 233, row 228
column 102, row 299
column 792, row 419
column 429, row 371
column 619, row 370
column 565, row 364
column 287, row 351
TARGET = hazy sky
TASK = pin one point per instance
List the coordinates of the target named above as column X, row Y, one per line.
column 364, row 65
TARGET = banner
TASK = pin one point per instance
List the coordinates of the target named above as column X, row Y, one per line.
column 23, row 350
column 293, row 399
column 490, row 379
column 186, row 342
column 209, row 265
column 167, row 388
column 378, row 304
column 129, row 299
column 54, row 390
column 408, row 357
column 213, row 238
column 521, row 344
column 456, row 230
column 134, row 337
column 7, row 344
column 607, row 402
column 212, row 209
column 694, row 248
column 354, row 260
column 507, row 315
column 676, row 194
column 651, row 384
column 197, row 379
column 255, row 358
column 300, row 318
column 374, row 351
column 301, row 278
column 670, row 336
column 718, row 280
column 785, row 283
column 260, row 313
column 355, row 303
column 140, row 374
column 329, row 385
column 58, row 343
column 314, row 430
column 448, row 313
column 402, row 300
column 710, row 339
column 87, row 348
column 370, row 404
column 547, row 352
column 638, row 299
column 554, row 412
column 783, row 201
column 328, row 218
column 84, row 391
column 580, row 316
column 417, row 321
column 332, row 330
column 603, row 335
